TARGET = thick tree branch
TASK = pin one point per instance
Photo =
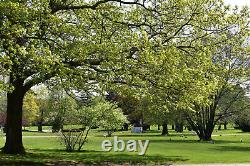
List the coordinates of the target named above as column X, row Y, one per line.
column 55, row 7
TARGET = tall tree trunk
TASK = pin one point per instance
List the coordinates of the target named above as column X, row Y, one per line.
column 179, row 127
column 203, row 121
column 165, row 129
column 40, row 127
column 225, row 125
column 219, row 127
column 207, row 137
column 159, row 127
column 204, row 131
column 14, row 144
column 40, row 122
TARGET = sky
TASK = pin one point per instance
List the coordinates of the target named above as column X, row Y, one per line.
column 238, row 2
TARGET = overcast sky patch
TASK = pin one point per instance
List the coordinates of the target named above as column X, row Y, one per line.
column 238, row 2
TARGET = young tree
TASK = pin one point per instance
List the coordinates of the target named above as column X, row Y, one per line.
column 111, row 117
column 99, row 113
column 106, row 115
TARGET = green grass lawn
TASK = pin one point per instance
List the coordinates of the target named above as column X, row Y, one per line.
column 176, row 148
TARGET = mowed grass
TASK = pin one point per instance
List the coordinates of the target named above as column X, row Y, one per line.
column 176, row 148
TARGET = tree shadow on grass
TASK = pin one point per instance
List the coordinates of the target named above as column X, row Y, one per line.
column 146, row 134
column 133, row 135
column 58, row 157
column 186, row 140
column 233, row 148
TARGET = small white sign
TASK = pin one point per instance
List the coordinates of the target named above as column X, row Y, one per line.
column 137, row 130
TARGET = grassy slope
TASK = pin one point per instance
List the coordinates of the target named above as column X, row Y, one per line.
column 162, row 149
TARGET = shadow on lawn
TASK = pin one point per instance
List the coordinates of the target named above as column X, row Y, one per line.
column 59, row 157
column 132, row 135
column 146, row 134
column 186, row 140
column 233, row 148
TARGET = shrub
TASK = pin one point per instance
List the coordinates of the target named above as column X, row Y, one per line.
column 74, row 139
column 242, row 121
column 103, row 114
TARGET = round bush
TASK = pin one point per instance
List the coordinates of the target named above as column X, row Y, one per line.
column 242, row 121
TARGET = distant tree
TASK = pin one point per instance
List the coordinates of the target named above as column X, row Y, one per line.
column 131, row 106
column 237, row 110
column 157, row 113
column 232, row 104
column 242, row 120
column 59, row 107
column 178, row 120
column 42, row 99
column 30, row 109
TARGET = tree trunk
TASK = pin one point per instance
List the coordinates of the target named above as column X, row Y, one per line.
column 207, row 132
column 40, row 122
column 179, row 127
column 204, row 135
column 14, row 144
column 159, row 127
column 40, row 127
column 204, row 132
column 173, row 127
column 165, row 129
column 225, row 125
column 219, row 127
column 125, row 127
column 207, row 137
column 203, row 120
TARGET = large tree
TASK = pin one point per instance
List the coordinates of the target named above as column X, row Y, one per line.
column 42, row 39
column 199, row 52
column 231, row 69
